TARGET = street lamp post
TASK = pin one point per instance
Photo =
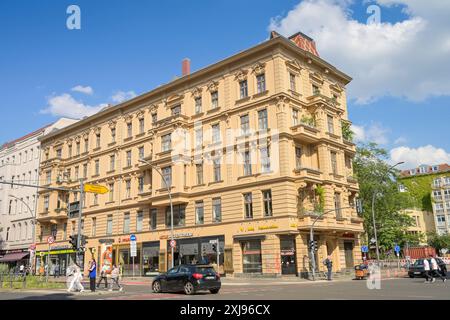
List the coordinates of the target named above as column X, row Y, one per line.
column 171, row 204
column 373, row 212
column 311, row 235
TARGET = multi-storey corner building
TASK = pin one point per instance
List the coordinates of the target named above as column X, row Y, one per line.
column 431, row 186
column 19, row 162
column 441, row 203
column 251, row 146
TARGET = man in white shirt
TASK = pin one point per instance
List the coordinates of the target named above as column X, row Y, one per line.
column 435, row 270
column 426, row 267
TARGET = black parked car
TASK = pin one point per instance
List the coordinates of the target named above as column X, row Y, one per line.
column 417, row 269
column 188, row 278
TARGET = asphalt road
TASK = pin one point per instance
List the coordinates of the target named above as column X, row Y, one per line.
column 390, row 289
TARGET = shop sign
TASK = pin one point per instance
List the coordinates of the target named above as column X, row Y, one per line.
column 250, row 229
column 56, row 252
column 348, row 235
column 127, row 239
column 289, row 252
column 106, row 241
column 178, row 235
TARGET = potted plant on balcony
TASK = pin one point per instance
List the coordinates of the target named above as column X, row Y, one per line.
column 309, row 121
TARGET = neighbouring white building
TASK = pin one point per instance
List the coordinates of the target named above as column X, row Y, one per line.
column 19, row 163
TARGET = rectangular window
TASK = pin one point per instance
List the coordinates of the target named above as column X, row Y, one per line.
column 215, row 133
column 153, row 219
column 261, row 83
column 337, row 205
column 94, row 227
column 248, row 204
column 46, row 203
column 48, row 177
column 199, row 173
column 315, row 89
column 85, row 171
column 166, row 142
column 216, row 167
column 198, row 105
column 245, row 125
column 112, row 163
column 217, row 210
column 111, row 192
column 65, row 231
column 58, row 153
column 179, row 216
column 199, row 213
column 129, row 159
column 154, row 118
column 247, row 163
column 109, row 225
column 129, row 130
column 86, row 145
column 292, row 81
column 97, row 167
column 128, row 189
column 141, row 153
column 167, row 176
column 265, row 160
column 333, row 162
column 243, row 89
column 141, row 184
column 77, row 173
column 98, row 140
column 298, row 157
column 113, row 135
column 214, row 100
column 295, row 117
column 141, row 126
column 199, row 138
column 139, row 221
column 330, row 124
column 267, row 199
column 262, row 119
column 126, row 223
column 70, row 151
column 176, row 110
column 78, row 148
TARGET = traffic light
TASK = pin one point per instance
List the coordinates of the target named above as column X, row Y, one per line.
column 73, row 242
column 359, row 207
column 313, row 245
column 83, row 241
column 214, row 247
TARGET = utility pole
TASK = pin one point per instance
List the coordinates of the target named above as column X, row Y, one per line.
column 80, row 213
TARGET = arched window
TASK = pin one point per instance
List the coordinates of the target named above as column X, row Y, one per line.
column 13, row 233
column 7, row 233
column 19, row 231
column 25, row 236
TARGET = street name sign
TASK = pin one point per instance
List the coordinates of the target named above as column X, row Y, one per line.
column 94, row 188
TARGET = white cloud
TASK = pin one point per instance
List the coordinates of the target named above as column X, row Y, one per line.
column 121, row 96
column 400, row 140
column 373, row 133
column 86, row 90
column 414, row 157
column 65, row 105
column 404, row 59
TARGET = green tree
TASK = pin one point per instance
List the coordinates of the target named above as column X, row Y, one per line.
column 439, row 241
column 374, row 176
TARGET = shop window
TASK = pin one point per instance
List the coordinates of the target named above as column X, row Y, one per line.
column 251, row 256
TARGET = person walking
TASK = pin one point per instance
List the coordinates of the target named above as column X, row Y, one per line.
column 103, row 276
column 329, row 264
column 92, row 274
column 22, row 270
column 56, row 272
column 426, row 268
column 75, row 276
column 115, row 275
column 435, row 270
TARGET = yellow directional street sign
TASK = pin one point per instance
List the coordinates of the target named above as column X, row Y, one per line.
column 92, row 188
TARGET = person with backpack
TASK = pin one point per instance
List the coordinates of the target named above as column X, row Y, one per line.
column 329, row 264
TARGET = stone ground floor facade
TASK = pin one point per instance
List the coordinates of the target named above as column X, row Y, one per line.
column 266, row 247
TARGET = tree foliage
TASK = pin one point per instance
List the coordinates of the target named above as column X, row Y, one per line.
column 374, row 176
column 439, row 241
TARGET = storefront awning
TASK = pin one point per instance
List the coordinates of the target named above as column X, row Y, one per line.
column 10, row 257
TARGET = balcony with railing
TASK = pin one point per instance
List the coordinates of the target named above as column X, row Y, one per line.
column 306, row 131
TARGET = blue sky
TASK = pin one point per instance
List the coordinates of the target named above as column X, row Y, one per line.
column 130, row 47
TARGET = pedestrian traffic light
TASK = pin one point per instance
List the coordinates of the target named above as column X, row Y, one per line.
column 359, row 207
column 214, row 247
column 83, row 241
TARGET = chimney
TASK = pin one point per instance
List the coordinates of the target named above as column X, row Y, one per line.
column 186, row 67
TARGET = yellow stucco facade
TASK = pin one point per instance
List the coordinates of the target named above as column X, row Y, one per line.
column 255, row 147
